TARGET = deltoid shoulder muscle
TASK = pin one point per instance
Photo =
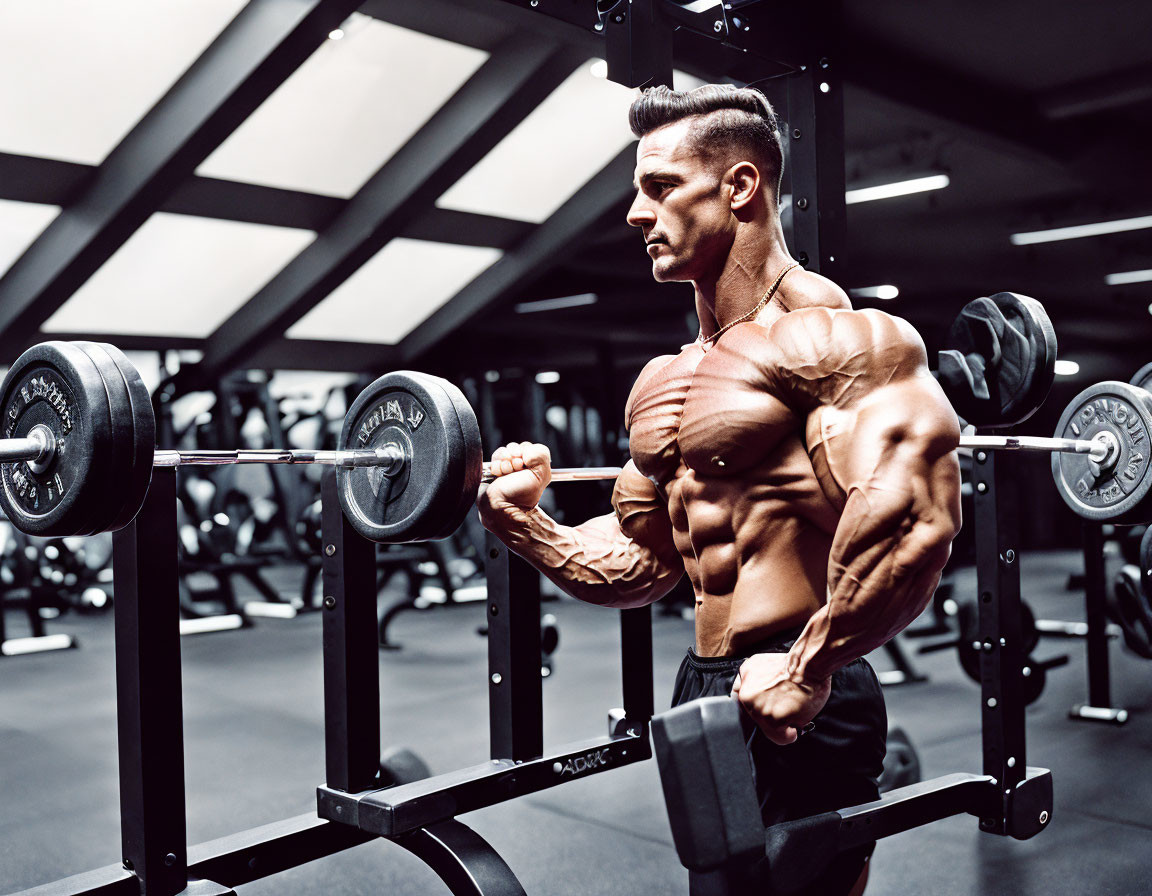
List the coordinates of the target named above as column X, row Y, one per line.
column 819, row 356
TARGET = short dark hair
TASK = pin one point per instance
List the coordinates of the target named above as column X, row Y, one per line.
column 729, row 120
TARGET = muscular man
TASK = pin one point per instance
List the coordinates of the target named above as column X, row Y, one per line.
column 797, row 460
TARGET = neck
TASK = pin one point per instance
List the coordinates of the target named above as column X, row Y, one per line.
column 753, row 263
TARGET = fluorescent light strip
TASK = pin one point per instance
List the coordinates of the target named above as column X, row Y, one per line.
column 887, row 291
column 1081, row 230
column 900, row 188
column 1128, row 277
column 585, row 298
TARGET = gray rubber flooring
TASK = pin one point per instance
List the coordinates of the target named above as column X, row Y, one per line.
column 254, row 754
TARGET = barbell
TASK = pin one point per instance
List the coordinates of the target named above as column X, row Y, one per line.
column 78, row 450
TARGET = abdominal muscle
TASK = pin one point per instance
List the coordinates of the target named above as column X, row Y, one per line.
column 755, row 547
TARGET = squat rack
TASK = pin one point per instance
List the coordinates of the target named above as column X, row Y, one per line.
column 359, row 801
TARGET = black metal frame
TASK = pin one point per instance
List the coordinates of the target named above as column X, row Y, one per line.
column 354, row 807
column 519, row 764
column 1099, row 707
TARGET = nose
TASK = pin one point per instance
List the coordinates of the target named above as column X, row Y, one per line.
column 640, row 214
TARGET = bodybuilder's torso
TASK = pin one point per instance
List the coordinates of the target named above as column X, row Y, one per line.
column 750, row 517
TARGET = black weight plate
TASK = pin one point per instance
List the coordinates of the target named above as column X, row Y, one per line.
column 1118, row 493
column 1142, row 378
column 472, row 452
column 1010, row 345
column 901, row 762
column 399, row 765
column 144, row 424
column 1130, row 608
column 1033, row 681
column 123, row 432
column 55, row 384
column 416, row 503
column 968, row 619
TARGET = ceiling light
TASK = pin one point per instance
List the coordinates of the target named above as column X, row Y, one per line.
column 492, row 376
column 1128, row 277
column 586, row 298
column 544, row 377
column 1081, row 230
column 899, row 188
column 598, row 68
column 336, row 34
column 1067, row 368
column 886, row 291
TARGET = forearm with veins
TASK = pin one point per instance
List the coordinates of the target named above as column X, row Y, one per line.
column 595, row 562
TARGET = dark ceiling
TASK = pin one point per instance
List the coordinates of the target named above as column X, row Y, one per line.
column 1039, row 113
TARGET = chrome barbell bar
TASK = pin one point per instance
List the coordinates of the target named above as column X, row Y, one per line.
column 37, row 449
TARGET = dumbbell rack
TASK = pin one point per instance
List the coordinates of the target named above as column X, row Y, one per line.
column 355, row 804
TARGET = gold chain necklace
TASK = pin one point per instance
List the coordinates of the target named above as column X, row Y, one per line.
column 759, row 307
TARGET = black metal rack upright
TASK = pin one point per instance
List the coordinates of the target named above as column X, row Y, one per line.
column 1099, row 707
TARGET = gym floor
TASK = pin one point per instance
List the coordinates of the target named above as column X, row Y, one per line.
column 254, row 754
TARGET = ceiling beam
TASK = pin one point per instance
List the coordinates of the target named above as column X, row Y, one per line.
column 322, row 354
column 52, row 182
column 518, row 76
column 460, row 22
column 251, row 57
column 548, row 246
column 44, row 181
column 1115, row 90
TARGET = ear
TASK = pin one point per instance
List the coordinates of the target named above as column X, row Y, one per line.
column 744, row 178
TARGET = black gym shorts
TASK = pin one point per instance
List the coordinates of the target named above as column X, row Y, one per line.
column 834, row 765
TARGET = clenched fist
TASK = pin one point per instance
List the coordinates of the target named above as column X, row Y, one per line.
column 522, row 470
column 780, row 706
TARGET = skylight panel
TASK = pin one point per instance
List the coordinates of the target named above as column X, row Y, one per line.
column 345, row 111
column 394, row 292
column 82, row 74
column 179, row 275
column 551, row 154
column 20, row 224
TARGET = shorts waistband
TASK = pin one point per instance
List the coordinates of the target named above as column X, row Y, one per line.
column 780, row 642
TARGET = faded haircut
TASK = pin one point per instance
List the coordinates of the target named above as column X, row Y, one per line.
column 730, row 122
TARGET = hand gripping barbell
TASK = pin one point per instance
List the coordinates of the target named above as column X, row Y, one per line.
column 77, row 452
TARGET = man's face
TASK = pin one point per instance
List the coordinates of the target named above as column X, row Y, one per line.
column 681, row 206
